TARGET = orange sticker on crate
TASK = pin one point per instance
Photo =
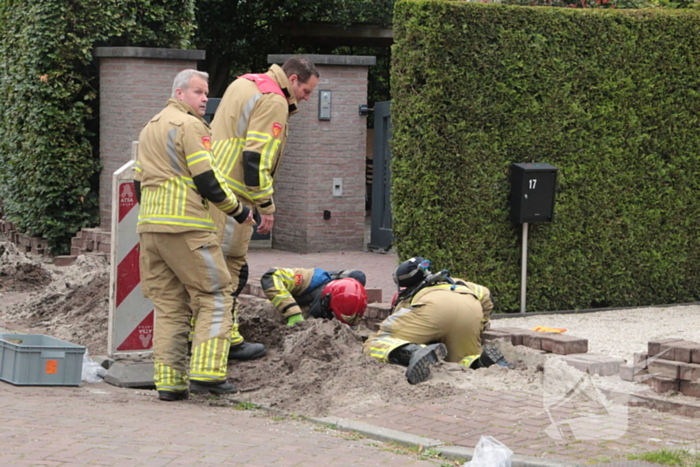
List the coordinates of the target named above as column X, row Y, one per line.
column 51, row 367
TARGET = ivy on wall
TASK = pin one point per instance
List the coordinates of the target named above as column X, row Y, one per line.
column 49, row 163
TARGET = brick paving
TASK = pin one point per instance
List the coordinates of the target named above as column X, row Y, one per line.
column 521, row 422
column 109, row 426
column 99, row 424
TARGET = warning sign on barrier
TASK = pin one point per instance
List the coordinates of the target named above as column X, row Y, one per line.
column 131, row 315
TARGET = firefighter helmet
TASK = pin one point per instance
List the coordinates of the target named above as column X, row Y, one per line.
column 395, row 299
column 411, row 272
column 347, row 299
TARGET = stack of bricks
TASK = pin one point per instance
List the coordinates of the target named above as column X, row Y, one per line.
column 9, row 230
column 24, row 242
column 551, row 342
column 375, row 314
column 88, row 241
column 252, row 287
column 574, row 350
column 95, row 241
column 670, row 365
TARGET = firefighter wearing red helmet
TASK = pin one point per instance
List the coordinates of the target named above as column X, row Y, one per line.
column 300, row 293
column 434, row 317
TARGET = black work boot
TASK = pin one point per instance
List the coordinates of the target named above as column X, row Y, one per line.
column 418, row 359
column 214, row 387
column 491, row 355
column 170, row 396
column 246, row 351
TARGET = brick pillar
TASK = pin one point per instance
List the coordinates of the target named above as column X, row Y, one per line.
column 319, row 151
column 135, row 83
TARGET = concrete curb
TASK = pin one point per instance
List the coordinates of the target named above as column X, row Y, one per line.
column 448, row 452
column 378, row 433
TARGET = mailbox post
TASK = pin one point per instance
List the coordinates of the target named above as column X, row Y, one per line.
column 533, row 186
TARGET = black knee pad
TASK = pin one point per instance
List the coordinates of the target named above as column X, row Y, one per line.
column 242, row 280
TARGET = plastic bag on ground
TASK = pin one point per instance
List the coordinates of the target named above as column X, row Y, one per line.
column 92, row 371
column 490, row 452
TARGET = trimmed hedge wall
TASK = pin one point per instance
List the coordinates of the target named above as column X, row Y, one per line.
column 610, row 97
column 48, row 171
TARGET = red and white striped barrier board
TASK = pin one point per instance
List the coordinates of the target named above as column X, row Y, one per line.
column 131, row 315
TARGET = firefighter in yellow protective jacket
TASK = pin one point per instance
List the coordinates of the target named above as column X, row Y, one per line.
column 434, row 317
column 182, row 268
column 249, row 132
column 300, row 293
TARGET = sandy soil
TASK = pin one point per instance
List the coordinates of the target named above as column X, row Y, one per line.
column 67, row 303
column 310, row 368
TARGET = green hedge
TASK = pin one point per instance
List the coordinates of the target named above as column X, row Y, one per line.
column 48, row 158
column 610, row 97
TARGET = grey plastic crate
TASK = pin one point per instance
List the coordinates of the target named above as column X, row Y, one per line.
column 37, row 360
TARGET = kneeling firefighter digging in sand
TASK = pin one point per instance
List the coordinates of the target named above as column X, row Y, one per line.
column 434, row 317
column 300, row 294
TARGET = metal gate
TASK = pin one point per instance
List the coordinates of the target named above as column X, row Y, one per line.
column 381, row 237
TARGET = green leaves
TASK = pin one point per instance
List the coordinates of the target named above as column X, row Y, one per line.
column 608, row 97
column 48, row 157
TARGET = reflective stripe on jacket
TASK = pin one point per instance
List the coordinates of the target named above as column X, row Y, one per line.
column 249, row 133
column 174, row 147
column 285, row 286
column 296, row 290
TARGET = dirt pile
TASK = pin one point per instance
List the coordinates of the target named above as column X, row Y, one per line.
column 316, row 365
column 69, row 303
column 18, row 272
column 311, row 367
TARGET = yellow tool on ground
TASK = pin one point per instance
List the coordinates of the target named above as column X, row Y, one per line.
column 546, row 329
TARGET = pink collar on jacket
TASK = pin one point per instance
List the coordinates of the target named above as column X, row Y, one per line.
column 266, row 84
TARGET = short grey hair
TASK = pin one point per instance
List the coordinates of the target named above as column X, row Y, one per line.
column 182, row 80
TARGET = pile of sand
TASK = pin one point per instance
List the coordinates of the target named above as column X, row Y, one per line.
column 19, row 272
column 311, row 367
column 69, row 303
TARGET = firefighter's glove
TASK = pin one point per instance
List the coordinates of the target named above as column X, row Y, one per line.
column 245, row 217
column 292, row 320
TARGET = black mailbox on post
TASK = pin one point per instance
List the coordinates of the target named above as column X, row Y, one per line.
column 532, row 192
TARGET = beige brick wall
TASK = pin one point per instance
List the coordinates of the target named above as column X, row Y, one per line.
column 135, row 84
column 317, row 152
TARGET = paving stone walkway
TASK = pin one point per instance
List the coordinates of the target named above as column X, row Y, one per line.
column 109, row 426
column 521, row 422
column 99, row 424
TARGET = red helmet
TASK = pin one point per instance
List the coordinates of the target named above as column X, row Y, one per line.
column 395, row 299
column 348, row 300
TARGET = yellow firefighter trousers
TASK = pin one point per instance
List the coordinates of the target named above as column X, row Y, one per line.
column 235, row 240
column 441, row 316
column 185, row 273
